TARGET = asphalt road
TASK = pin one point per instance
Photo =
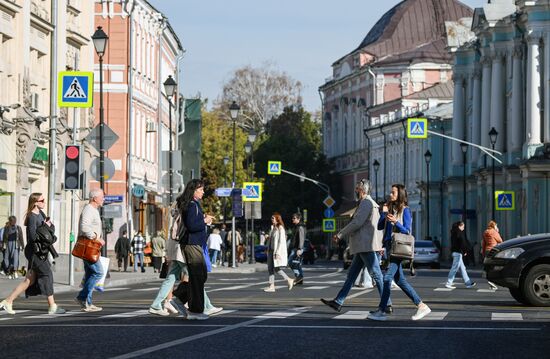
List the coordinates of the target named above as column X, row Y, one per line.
column 465, row 323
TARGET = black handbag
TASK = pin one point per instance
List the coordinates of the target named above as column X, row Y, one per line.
column 163, row 270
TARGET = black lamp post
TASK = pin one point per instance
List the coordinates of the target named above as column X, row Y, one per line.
column 170, row 88
column 100, row 40
column 234, row 112
column 248, row 242
column 251, row 139
column 493, row 134
column 225, row 162
column 376, row 166
column 428, row 158
column 464, row 148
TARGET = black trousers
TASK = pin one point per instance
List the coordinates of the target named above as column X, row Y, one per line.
column 196, row 265
column 121, row 260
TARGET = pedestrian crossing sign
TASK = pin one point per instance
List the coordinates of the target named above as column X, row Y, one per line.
column 505, row 201
column 75, row 89
column 252, row 191
column 329, row 225
column 274, row 167
column 417, row 128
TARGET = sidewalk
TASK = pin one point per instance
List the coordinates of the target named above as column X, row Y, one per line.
column 118, row 279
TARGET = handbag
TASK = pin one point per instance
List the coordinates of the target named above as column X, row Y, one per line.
column 87, row 249
column 402, row 246
column 164, row 270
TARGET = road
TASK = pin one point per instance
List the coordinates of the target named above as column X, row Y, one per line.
column 465, row 323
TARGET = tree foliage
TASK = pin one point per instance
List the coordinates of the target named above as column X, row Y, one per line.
column 262, row 93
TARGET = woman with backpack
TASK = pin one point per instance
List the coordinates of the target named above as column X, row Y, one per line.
column 40, row 239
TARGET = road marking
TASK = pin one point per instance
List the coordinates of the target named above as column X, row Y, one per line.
column 235, row 279
column 115, row 289
column 325, row 282
column 435, row 316
column 145, row 289
column 360, row 293
column 331, row 274
column 353, row 314
column 16, row 312
column 2, row 319
column 281, row 315
column 378, row 327
column 318, row 287
column 223, row 312
column 52, row 316
column 444, row 289
column 506, row 316
column 486, row 291
column 136, row 313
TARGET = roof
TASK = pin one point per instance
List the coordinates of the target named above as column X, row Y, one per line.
column 443, row 111
column 441, row 90
column 413, row 29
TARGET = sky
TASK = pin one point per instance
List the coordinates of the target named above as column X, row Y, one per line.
column 301, row 37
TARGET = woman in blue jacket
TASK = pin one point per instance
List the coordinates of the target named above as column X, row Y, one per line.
column 396, row 217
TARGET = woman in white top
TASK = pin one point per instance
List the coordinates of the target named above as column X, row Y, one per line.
column 276, row 252
column 214, row 245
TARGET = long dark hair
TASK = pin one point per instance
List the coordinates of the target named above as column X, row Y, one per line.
column 454, row 229
column 183, row 200
column 401, row 201
column 33, row 198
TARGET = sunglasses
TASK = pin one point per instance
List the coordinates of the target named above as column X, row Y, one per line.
column 41, row 200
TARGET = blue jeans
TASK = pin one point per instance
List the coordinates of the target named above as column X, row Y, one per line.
column 371, row 262
column 298, row 271
column 138, row 257
column 92, row 274
column 213, row 256
column 207, row 304
column 395, row 272
column 458, row 264
column 175, row 271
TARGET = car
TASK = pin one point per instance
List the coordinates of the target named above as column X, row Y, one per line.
column 260, row 253
column 523, row 266
column 426, row 253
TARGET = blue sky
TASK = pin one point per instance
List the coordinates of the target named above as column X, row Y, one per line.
column 302, row 37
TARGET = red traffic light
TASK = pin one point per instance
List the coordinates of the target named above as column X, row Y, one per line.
column 71, row 152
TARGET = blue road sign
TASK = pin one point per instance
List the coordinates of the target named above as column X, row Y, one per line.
column 223, row 192
column 329, row 213
column 138, row 191
column 252, row 192
column 504, row 201
column 329, row 225
column 114, row 199
column 274, row 167
column 417, row 128
column 75, row 89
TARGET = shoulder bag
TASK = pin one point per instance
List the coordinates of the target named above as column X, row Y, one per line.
column 402, row 246
column 87, row 249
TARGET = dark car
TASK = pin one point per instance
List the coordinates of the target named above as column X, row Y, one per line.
column 523, row 266
column 260, row 253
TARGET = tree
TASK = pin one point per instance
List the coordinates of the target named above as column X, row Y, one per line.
column 262, row 93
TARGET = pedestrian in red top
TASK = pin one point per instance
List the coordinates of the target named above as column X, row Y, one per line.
column 491, row 238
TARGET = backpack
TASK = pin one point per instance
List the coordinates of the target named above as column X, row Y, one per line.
column 179, row 230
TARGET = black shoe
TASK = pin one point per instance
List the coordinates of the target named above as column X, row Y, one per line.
column 389, row 310
column 299, row 281
column 331, row 303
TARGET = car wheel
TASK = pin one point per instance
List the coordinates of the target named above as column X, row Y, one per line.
column 536, row 286
column 517, row 295
column 435, row 266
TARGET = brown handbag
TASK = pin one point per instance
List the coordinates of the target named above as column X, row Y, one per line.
column 87, row 249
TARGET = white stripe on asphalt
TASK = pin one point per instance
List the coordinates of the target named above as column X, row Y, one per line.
column 435, row 316
column 353, row 314
column 52, row 316
column 222, row 312
column 115, row 289
column 360, row 293
column 318, row 287
column 3, row 312
column 235, row 287
column 136, row 313
column 281, row 315
column 443, row 289
column 145, row 289
column 2, row 319
column 377, row 327
column 506, row 316
column 331, row 274
column 325, row 282
column 486, row 291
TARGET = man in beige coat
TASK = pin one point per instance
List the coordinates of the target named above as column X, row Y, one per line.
column 365, row 243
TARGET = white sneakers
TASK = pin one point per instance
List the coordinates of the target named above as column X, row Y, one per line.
column 290, row 283
column 7, row 307
column 421, row 311
column 168, row 306
column 213, row 310
column 92, row 308
column 270, row 289
column 450, row 286
column 378, row 316
column 162, row 312
column 55, row 309
column 492, row 285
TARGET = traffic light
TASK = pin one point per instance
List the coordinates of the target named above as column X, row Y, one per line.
column 72, row 167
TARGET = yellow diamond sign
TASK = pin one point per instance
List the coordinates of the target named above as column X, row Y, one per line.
column 329, row 201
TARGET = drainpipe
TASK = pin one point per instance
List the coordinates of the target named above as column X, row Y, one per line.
column 160, row 81
column 53, row 114
column 385, row 157
column 129, row 160
column 369, row 69
column 404, row 152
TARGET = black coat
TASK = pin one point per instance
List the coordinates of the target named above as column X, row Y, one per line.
column 45, row 238
column 122, row 247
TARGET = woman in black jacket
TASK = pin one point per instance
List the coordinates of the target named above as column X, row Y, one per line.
column 40, row 239
column 459, row 248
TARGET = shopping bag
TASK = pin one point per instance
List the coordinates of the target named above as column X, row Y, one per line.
column 100, row 285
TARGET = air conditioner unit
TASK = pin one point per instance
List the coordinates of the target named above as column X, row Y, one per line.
column 151, row 126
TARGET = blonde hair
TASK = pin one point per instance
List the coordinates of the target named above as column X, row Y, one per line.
column 491, row 225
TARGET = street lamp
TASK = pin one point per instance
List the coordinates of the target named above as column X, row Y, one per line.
column 234, row 112
column 493, row 134
column 464, row 148
column 170, row 88
column 251, row 139
column 225, row 162
column 100, row 40
column 376, row 166
column 247, row 150
column 428, row 158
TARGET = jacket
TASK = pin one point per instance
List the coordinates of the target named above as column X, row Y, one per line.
column 490, row 239
column 122, row 247
column 20, row 240
column 299, row 237
column 158, row 246
column 194, row 222
column 362, row 229
column 278, row 246
column 45, row 238
column 459, row 243
column 403, row 224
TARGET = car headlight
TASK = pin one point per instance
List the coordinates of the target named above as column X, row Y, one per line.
column 511, row 253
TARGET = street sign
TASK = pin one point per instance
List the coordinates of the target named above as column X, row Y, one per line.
column 113, row 199
column 417, row 128
column 75, row 89
column 328, row 213
column 305, row 215
column 236, row 197
column 108, row 169
column 253, row 210
column 138, row 191
column 223, row 192
column 505, row 201
column 112, row 211
column 254, row 193
column 274, row 167
column 109, row 138
column 329, row 225
column 329, row 201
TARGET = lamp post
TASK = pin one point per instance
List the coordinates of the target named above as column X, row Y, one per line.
column 464, row 148
column 376, row 166
column 170, row 88
column 234, row 112
column 251, row 139
column 428, row 158
column 225, row 162
column 100, row 40
column 493, row 134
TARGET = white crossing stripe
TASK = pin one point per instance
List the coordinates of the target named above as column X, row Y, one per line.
column 443, row 289
column 486, row 291
column 506, row 316
column 3, row 312
column 115, row 289
column 435, row 316
column 318, row 287
column 52, row 316
column 137, row 313
column 353, row 314
column 2, row 319
column 145, row 289
column 281, row 314
column 223, row 312
column 360, row 293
